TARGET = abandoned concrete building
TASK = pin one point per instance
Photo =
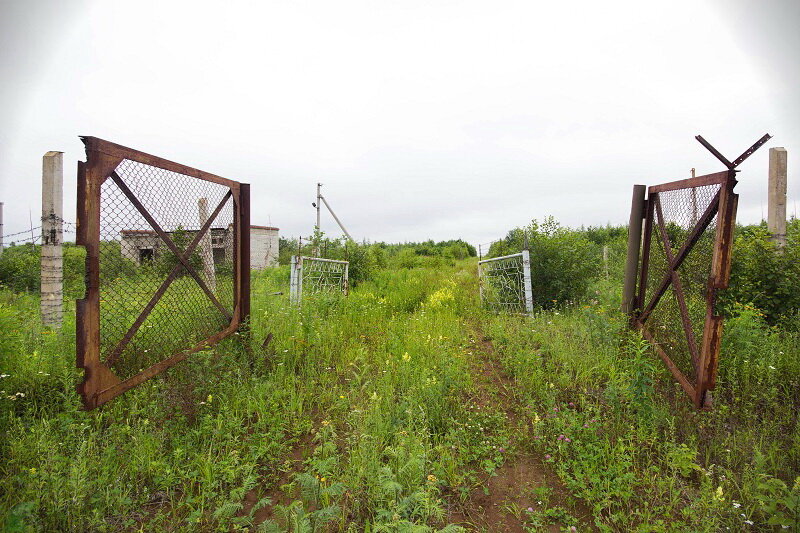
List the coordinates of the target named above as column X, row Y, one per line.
column 145, row 245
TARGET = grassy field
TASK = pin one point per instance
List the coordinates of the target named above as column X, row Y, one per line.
column 404, row 407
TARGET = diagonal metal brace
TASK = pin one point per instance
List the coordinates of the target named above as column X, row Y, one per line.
column 739, row 160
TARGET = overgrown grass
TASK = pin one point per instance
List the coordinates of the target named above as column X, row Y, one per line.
column 374, row 389
column 623, row 436
column 377, row 378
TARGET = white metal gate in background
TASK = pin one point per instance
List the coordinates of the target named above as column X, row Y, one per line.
column 505, row 283
column 315, row 275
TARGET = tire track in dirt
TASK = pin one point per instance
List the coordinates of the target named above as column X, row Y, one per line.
column 500, row 503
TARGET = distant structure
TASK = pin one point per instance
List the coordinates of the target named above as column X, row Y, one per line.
column 263, row 247
column 141, row 246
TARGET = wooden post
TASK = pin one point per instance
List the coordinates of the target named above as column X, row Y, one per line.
column 206, row 251
column 52, row 275
column 634, row 247
column 776, row 211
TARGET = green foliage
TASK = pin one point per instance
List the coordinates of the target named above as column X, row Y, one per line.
column 362, row 412
column 20, row 268
column 763, row 275
column 779, row 504
column 165, row 261
column 563, row 261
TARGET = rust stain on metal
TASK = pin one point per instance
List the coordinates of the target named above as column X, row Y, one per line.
column 124, row 195
column 674, row 331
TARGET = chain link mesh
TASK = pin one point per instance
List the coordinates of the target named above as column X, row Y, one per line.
column 681, row 210
column 503, row 284
column 135, row 262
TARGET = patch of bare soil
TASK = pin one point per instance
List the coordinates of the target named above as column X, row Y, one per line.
column 270, row 487
column 502, row 500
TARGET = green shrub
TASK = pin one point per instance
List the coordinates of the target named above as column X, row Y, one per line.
column 19, row 267
column 20, row 270
column 764, row 276
column 563, row 261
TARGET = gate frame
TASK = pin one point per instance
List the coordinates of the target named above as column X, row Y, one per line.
column 100, row 384
column 705, row 359
column 526, row 276
column 296, row 276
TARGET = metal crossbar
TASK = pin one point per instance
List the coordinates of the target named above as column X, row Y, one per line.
column 316, row 275
column 686, row 259
column 505, row 283
column 155, row 291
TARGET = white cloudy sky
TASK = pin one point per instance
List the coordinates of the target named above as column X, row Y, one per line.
column 423, row 119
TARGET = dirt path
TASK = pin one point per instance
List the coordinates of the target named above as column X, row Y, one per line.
column 274, row 492
column 523, row 482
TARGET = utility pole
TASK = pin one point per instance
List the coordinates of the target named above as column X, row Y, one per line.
column 317, row 205
column 321, row 199
column 776, row 208
column 317, row 227
column 52, row 275
column 1, row 228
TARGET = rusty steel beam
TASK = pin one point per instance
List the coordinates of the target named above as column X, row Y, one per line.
column 120, row 152
column 120, row 347
column 705, row 358
column 244, row 255
column 171, row 245
column 100, row 384
column 691, row 240
column 747, row 153
column 716, row 178
column 714, row 152
column 676, row 372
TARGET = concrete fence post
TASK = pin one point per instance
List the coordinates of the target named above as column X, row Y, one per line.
column 294, row 280
column 526, row 279
column 51, row 264
column 776, row 212
column 206, row 250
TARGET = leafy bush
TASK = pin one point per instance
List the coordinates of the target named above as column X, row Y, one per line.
column 20, row 270
column 19, row 267
column 563, row 262
column 763, row 275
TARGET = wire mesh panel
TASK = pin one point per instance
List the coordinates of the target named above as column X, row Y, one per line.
column 686, row 258
column 165, row 274
column 315, row 275
column 505, row 283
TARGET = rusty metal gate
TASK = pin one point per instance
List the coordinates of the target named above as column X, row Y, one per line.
column 686, row 250
column 167, row 265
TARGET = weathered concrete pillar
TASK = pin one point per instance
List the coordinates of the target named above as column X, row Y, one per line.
column 776, row 212
column 52, row 275
column 206, row 251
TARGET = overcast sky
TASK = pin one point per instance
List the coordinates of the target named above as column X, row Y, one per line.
column 423, row 119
